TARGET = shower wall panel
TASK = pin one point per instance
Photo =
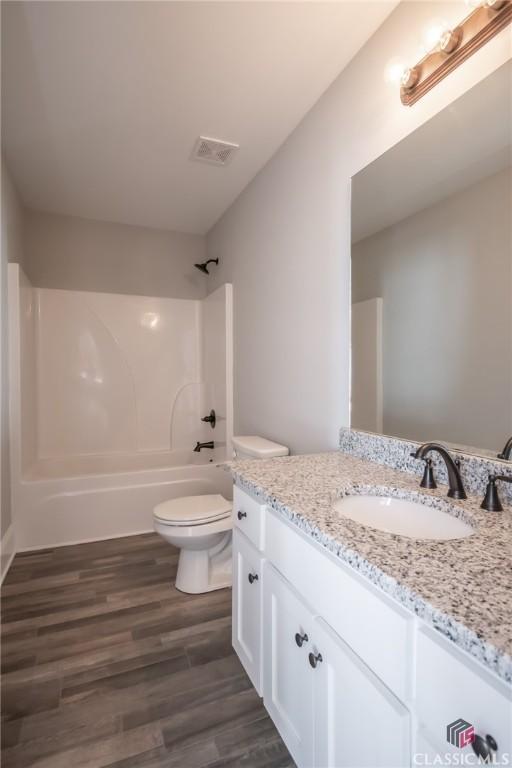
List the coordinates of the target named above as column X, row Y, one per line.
column 116, row 373
column 22, row 370
column 217, row 365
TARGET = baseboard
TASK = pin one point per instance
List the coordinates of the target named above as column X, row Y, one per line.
column 85, row 541
column 8, row 550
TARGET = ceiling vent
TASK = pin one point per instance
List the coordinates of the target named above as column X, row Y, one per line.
column 213, row 151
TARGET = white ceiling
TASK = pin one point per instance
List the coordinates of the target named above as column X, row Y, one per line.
column 103, row 101
column 466, row 142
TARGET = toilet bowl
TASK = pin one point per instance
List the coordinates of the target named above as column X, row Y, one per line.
column 201, row 527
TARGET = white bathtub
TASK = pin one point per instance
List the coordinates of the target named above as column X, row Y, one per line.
column 87, row 498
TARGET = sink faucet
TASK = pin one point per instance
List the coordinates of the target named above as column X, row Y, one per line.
column 209, row 444
column 456, row 490
column 507, row 451
column 491, row 500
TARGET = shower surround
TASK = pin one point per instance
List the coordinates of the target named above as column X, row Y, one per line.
column 107, row 395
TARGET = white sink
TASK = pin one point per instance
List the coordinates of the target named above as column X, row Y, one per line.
column 404, row 517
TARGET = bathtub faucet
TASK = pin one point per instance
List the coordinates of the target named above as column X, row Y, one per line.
column 209, row 444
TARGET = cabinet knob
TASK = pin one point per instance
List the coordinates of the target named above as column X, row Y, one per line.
column 300, row 639
column 315, row 659
column 253, row 577
column 484, row 748
column 241, row 514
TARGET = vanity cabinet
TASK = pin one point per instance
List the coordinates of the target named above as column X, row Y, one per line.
column 350, row 678
column 287, row 677
column 451, row 686
column 355, row 609
column 330, row 709
column 247, row 606
column 358, row 723
column 249, row 517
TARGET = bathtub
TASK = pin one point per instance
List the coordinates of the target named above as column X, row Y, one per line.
column 87, row 498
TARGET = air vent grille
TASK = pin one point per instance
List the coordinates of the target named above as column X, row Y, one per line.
column 213, row 151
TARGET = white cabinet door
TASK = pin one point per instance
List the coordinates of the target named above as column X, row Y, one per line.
column 359, row 723
column 287, row 675
column 452, row 688
column 247, row 607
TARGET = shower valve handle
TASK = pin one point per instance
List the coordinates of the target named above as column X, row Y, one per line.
column 211, row 419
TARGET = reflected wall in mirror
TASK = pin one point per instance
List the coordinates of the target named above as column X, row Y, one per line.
column 432, row 278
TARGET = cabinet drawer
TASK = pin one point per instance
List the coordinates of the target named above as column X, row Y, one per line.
column 379, row 631
column 451, row 686
column 249, row 515
column 248, row 607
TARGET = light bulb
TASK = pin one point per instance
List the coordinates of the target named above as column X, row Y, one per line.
column 450, row 40
column 409, row 78
column 434, row 34
column 394, row 71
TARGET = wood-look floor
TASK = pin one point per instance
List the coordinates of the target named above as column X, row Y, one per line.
column 105, row 663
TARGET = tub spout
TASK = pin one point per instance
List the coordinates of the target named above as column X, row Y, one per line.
column 209, row 444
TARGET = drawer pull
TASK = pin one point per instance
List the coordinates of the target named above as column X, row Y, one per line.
column 241, row 514
column 253, row 577
column 315, row 659
column 484, row 748
column 300, row 639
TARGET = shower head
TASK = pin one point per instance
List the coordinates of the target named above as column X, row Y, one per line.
column 204, row 266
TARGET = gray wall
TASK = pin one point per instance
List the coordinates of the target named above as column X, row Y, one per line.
column 11, row 250
column 445, row 276
column 285, row 242
column 86, row 255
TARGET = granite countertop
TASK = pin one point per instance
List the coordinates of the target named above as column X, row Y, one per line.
column 461, row 587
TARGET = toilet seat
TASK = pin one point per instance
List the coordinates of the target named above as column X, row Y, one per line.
column 193, row 510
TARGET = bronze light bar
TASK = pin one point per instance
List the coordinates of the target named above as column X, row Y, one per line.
column 455, row 46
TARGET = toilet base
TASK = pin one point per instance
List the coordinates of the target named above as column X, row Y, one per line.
column 205, row 570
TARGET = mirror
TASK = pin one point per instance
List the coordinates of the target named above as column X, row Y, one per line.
column 432, row 278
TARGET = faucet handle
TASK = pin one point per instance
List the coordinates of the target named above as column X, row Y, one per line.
column 428, row 480
column 211, row 419
column 491, row 502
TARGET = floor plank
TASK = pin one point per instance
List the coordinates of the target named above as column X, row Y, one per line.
column 106, row 665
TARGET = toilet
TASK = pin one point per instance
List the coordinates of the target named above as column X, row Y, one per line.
column 201, row 526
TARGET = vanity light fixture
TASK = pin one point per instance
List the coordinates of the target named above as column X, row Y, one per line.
column 450, row 40
column 495, row 4
column 454, row 46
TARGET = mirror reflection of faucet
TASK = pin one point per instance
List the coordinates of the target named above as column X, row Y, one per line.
column 507, row 451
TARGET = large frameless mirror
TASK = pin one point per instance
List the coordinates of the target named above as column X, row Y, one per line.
column 432, row 278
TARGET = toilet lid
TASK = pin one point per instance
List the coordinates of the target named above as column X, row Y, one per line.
column 191, row 510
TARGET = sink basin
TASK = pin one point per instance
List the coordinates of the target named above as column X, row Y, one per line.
column 403, row 517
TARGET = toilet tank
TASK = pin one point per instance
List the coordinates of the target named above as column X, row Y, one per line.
column 254, row 447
